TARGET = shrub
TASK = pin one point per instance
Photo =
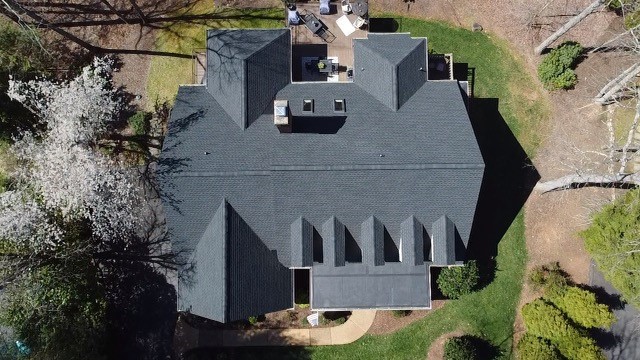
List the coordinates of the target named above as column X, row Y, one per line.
column 531, row 347
column 556, row 69
column 611, row 240
column 253, row 320
column 400, row 313
column 551, row 278
column 546, row 321
column 632, row 19
column 460, row 348
column 457, row 281
column 581, row 307
column 139, row 122
column 340, row 320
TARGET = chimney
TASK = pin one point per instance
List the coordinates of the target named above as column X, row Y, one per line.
column 282, row 116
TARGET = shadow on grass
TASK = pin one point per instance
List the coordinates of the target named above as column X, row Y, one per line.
column 248, row 353
column 509, row 178
column 141, row 314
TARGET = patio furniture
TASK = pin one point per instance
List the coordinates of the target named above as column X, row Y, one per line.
column 359, row 22
column 325, row 9
column 326, row 35
column 360, row 8
column 293, row 18
column 325, row 66
column 345, row 25
column 312, row 23
column 346, row 7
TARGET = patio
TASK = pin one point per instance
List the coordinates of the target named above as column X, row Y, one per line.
column 308, row 45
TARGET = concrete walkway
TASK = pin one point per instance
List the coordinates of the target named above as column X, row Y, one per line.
column 188, row 337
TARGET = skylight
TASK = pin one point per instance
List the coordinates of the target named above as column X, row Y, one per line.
column 338, row 105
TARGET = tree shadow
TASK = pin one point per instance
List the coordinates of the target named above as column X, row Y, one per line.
column 141, row 313
column 198, row 338
column 509, row 178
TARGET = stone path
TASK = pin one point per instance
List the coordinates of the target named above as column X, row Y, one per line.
column 188, row 337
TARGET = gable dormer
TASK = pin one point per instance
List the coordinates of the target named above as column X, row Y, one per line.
column 246, row 68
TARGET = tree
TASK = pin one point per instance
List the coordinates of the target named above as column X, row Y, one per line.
column 460, row 348
column 570, row 24
column 613, row 241
column 456, row 281
column 581, row 307
column 531, row 347
column 545, row 321
column 58, row 310
column 74, row 221
column 20, row 55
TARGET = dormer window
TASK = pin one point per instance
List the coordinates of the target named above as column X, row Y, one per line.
column 307, row 106
column 338, row 105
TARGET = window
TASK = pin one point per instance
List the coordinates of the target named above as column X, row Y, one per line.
column 338, row 105
column 307, row 106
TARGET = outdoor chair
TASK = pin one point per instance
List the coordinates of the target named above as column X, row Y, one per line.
column 346, row 7
column 325, row 9
column 359, row 22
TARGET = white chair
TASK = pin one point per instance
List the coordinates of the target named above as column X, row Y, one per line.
column 346, row 7
column 359, row 22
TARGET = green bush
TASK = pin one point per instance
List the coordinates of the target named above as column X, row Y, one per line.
column 456, row 281
column 611, row 240
column 551, row 278
column 400, row 313
column 140, row 122
column 340, row 320
column 581, row 307
column 556, row 69
column 546, row 321
column 531, row 347
column 460, row 348
column 253, row 320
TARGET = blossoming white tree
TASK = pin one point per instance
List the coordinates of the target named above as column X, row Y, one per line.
column 61, row 171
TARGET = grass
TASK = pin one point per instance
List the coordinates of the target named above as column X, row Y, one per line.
column 489, row 313
column 499, row 74
column 168, row 72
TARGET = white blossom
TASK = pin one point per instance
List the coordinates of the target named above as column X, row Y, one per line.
column 26, row 224
column 62, row 164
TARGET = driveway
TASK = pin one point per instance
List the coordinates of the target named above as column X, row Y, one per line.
column 625, row 343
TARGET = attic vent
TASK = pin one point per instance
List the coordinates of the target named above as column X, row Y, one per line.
column 338, row 105
column 281, row 113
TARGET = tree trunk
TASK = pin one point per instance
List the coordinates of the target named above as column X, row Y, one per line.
column 138, row 11
column 609, row 91
column 589, row 180
column 114, row 10
column 12, row 9
column 566, row 27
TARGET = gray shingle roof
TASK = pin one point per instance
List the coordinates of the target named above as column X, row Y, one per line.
column 443, row 234
column 380, row 170
column 390, row 67
column 245, row 69
column 412, row 235
column 301, row 243
column 372, row 242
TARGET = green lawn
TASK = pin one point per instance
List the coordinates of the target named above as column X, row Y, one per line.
column 499, row 74
column 167, row 72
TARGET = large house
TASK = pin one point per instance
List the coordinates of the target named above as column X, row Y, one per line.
column 365, row 184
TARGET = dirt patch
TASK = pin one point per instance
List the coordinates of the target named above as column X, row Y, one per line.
column 386, row 322
column 436, row 351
